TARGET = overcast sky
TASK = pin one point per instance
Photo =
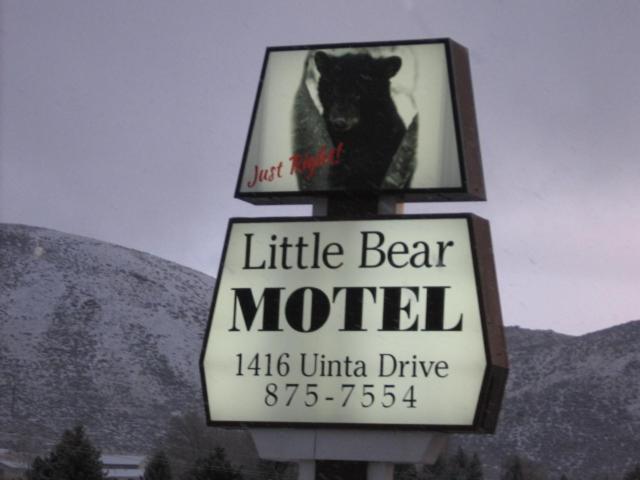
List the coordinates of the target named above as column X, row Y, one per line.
column 126, row 121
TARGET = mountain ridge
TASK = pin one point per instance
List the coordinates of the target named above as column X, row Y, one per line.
column 132, row 318
column 122, row 331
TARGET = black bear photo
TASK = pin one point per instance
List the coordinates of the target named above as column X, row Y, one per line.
column 360, row 114
column 363, row 120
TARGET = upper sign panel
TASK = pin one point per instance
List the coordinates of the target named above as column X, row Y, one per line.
column 394, row 118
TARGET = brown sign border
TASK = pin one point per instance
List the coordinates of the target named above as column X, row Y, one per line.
column 464, row 113
column 495, row 376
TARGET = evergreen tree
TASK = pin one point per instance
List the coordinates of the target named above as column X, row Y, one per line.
column 512, row 469
column 158, row 467
column 474, row 472
column 436, row 471
column 214, row 466
column 40, row 469
column 455, row 467
column 633, row 473
column 73, row 458
column 274, row 470
column 188, row 438
column 458, row 465
column 517, row 468
column 405, row 472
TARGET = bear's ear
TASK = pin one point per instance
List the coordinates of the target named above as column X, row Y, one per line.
column 390, row 66
column 323, row 62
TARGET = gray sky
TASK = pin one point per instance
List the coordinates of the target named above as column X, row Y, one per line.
column 126, row 121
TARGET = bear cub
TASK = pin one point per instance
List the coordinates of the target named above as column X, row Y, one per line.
column 354, row 91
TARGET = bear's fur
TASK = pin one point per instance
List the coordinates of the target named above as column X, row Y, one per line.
column 358, row 111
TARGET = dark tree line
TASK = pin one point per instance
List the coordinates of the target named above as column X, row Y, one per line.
column 633, row 473
column 213, row 466
column 459, row 466
column 462, row 466
column 75, row 458
column 158, row 467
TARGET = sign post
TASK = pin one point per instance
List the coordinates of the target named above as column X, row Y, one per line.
column 358, row 335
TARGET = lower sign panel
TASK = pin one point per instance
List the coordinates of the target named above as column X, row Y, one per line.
column 367, row 322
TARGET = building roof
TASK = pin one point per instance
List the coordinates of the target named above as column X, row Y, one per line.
column 124, row 473
column 117, row 459
column 13, row 464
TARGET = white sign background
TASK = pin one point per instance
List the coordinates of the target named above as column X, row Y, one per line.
column 447, row 396
column 424, row 76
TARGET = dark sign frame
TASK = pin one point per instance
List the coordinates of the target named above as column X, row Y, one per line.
column 496, row 371
column 466, row 132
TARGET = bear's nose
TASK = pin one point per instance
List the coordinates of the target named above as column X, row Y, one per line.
column 340, row 123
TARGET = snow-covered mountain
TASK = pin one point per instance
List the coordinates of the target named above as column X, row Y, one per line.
column 110, row 337
column 572, row 403
column 95, row 333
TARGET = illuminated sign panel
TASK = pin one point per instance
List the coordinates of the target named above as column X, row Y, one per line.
column 377, row 118
column 364, row 322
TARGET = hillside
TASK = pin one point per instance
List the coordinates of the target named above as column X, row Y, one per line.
column 95, row 333
column 572, row 403
column 110, row 337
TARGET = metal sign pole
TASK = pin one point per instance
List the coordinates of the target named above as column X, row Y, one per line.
column 338, row 208
column 333, row 208
column 349, row 454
